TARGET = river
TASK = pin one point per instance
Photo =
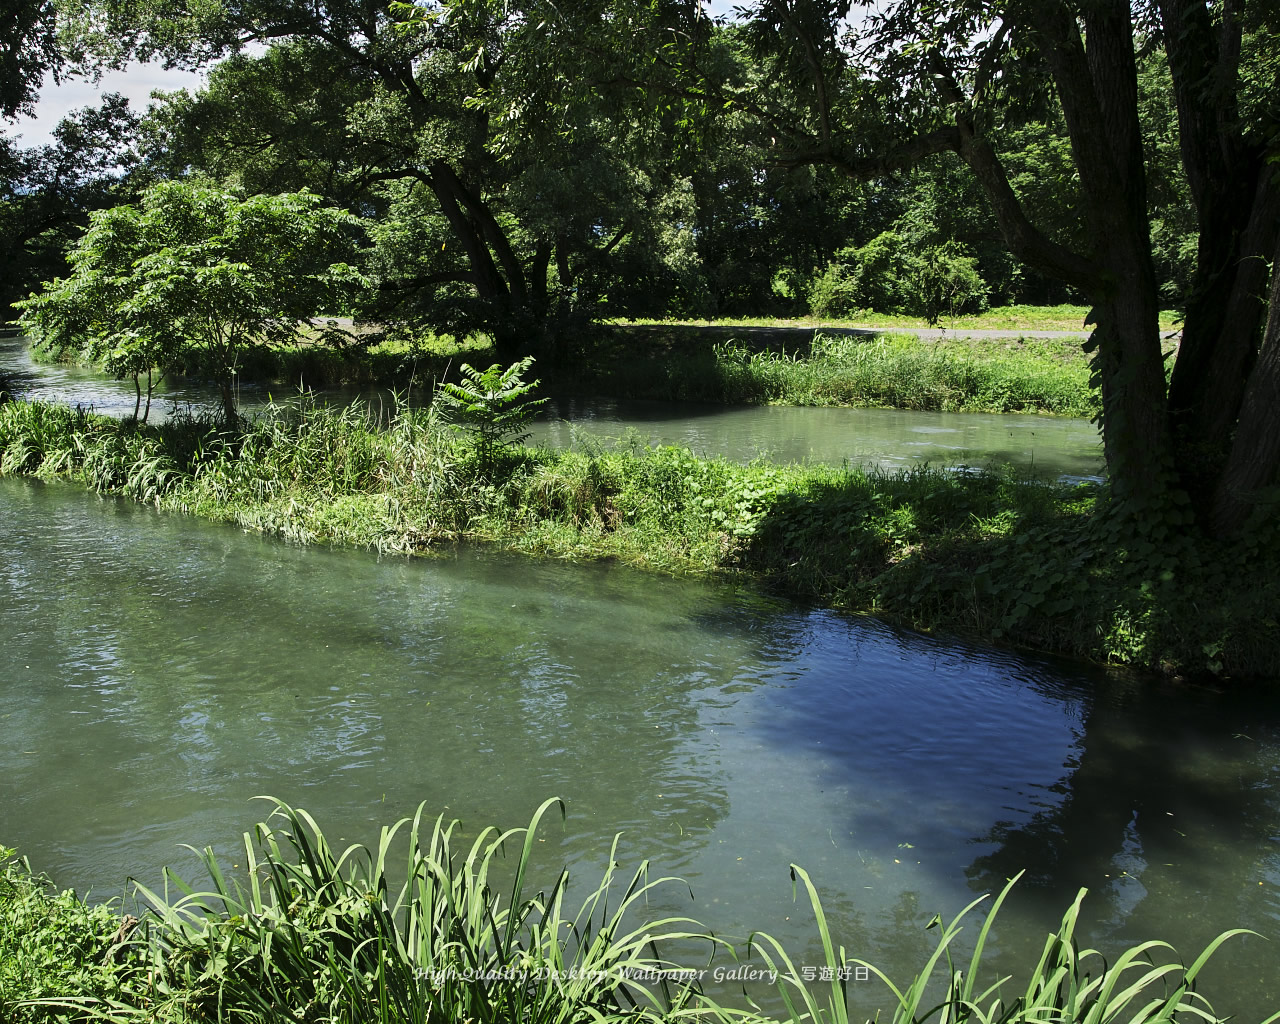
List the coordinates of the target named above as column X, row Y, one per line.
column 158, row 672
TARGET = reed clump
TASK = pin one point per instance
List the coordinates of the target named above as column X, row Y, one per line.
column 421, row 928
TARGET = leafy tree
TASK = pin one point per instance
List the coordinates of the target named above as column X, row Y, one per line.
column 28, row 48
column 277, row 121
column 460, row 118
column 194, row 270
column 891, row 275
column 917, row 78
column 47, row 192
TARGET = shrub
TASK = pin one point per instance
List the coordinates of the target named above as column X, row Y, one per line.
column 888, row 275
column 491, row 406
column 53, row 945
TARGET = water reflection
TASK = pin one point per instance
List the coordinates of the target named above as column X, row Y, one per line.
column 159, row 671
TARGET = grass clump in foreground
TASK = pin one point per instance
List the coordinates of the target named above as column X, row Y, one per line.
column 310, row 933
column 892, row 371
column 988, row 554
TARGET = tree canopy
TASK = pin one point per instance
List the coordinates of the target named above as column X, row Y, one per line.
column 194, row 269
column 521, row 166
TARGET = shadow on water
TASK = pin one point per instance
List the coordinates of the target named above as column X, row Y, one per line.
column 946, row 767
column 1169, row 815
column 1159, row 797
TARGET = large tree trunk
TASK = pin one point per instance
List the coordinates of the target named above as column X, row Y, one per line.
column 1134, row 426
column 481, row 236
column 1255, row 454
column 1224, row 320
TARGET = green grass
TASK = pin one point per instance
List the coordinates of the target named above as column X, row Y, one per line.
column 989, row 555
column 54, row 945
column 824, row 369
column 421, row 929
column 1004, row 318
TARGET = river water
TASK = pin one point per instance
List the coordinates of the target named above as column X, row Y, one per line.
column 889, row 439
column 157, row 672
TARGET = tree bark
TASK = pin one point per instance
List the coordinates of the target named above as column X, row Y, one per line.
column 538, row 276
column 447, row 186
column 1224, row 318
column 1255, row 453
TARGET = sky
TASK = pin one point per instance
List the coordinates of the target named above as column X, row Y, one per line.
column 137, row 82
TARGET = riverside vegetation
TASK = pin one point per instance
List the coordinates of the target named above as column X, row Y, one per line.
column 729, row 364
column 307, row 932
column 989, row 554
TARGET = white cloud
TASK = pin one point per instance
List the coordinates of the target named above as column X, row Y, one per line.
column 137, row 82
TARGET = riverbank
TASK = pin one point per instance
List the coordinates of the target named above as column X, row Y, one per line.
column 988, row 555
column 836, row 367
column 1065, row 318
column 305, row 933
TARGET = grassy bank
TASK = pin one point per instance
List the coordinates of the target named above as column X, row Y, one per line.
column 987, row 555
column 819, row 368
column 304, row 932
column 1002, row 318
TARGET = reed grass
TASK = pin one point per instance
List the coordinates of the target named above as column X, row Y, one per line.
column 308, row 933
column 1145, row 984
column 833, row 369
column 312, row 933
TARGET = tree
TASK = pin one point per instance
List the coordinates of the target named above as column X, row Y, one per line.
column 925, row 77
column 47, row 192
column 518, row 171
column 194, row 270
column 28, row 48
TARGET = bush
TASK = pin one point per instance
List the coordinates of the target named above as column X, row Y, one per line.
column 492, row 407
column 889, row 275
column 53, row 945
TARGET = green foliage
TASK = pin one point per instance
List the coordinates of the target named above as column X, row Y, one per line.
column 310, row 933
column 47, row 191
column 492, row 407
column 890, row 275
column 455, row 935
column 28, row 38
column 195, row 268
column 1067, row 984
column 54, row 945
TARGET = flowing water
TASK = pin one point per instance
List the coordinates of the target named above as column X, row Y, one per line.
column 158, row 672
column 886, row 438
